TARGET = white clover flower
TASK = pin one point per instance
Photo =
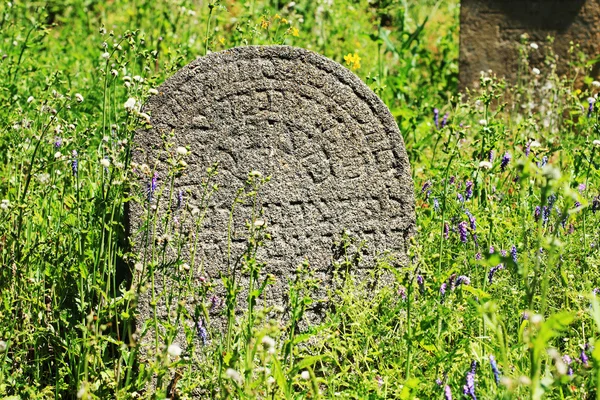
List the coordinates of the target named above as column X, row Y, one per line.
column 58, row 129
column 305, row 375
column 233, row 375
column 535, row 143
column 596, row 143
column 130, row 104
column 58, row 154
column 114, row 72
column 483, row 122
column 5, row 204
column 127, row 78
column 485, row 165
column 174, row 350
column 591, row 100
column 270, row 380
column 138, row 78
column 43, row 178
column 79, row 97
column 105, row 55
column 535, row 71
column 145, row 116
column 2, row 346
column 268, row 343
column 139, row 266
column 181, row 150
column 105, row 162
column 30, row 99
column 596, row 84
column 153, row 91
column 534, row 46
column 536, row 319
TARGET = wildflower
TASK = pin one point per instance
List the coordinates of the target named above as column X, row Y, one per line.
column 268, row 344
column 493, row 271
column 447, row 393
column 546, row 214
column 460, row 197
column 215, row 302
column 4, row 204
column 483, row 122
column 596, row 84
column 485, row 165
column 568, row 360
column 491, row 249
column 535, row 71
column 30, row 99
column 425, row 186
column 505, row 160
column 596, row 143
column 114, row 72
column 478, row 256
column 544, row 162
column 463, row 280
column 105, row 162
column 130, row 104
column 436, row 118
column 443, row 288
column 446, row 230
column 296, row 33
column 513, row 253
column 353, row 60
column 584, row 358
column 469, row 189
column 469, row 387
column 462, row 231
column 179, row 199
column 436, row 205
column 74, row 163
column 305, row 375
column 533, row 45
column 233, row 375
column 421, row 283
column 537, row 213
column 105, row 55
column 174, row 350
column 79, row 97
column 152, row 186
column 596, row 204
column 202, row 332
column 445, row 120
column 495, row 369
column 591, row 101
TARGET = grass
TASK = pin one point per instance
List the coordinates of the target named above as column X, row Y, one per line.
column 504, row 263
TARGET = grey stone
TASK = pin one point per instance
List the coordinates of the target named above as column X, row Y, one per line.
column 490, row 31
column 331, row 147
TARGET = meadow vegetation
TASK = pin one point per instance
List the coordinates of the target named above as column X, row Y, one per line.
column 499, row 300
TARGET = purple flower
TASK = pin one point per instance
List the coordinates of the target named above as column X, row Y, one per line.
column 581, row 187
column 462, row 231
column 577, row 204
column 436, row 118
column 584, row 358
column 469, row 189
column 525, row 316
column 546, row 214
column 544, row 162
column 513, row 253
column 421, row 283
column 446, row 230
column 452, row 179
column 152, row 186
column 503, row 253
column 527, row 149
column 493, row 270
column 478, row 256
column 460, row 197
column 469, row 387
column 215, row 303
column 491, row 156
column 463, row 280
column 57, row 142
column 436, row 205
column 473, row 222
column 179, row 199
column 491, row 249
column 495, row 370
column 591, row 102
column 402, row 292
column 596, row 204
column 425, row 186
column 443, row 288
column 567, row 360
column 202, row 332
column 505, row 160
column 445, row 120
column 447, row 393
column 537, row 213
column 74, row 163
column 438, row 382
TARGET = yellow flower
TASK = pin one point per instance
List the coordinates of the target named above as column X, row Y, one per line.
column 264, row 24
column 222, row 41
column 284, row 21
column 353, row 60
column 295, row 32
column 277, row 16
column 577, row 92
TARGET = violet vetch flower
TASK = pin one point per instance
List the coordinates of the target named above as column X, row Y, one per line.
column 445, row 120
column 567, row 360
column 74, row 163
column 503, row 253
column 452, row 179
column 469, row 387
column 436, row 118
column 438, row 382
column 436, row 205
column 505, row 160
column 513, row 253
column 478, row 256
column 469, row 189
column 460, row 197
column 525, row 316
column 421, row 283
column 463, row 280
column 491, row 249
column 215, row 303
column 402, row 292
column 591, row 102
column 537, row 213
column 447, row 393
column 544, row 162
column 425, row 186
column 493, row 270
column 491, row 156
column 527, row 149
column 446, row 230
column 581, row 187
column 57, row 142
column 462, row 231
column 596, row 204
column 443, row 288
column 495, row 370
column 584, row 358
column 152, row 186
column 546, row 214
column 202, row 332
column 179, row 199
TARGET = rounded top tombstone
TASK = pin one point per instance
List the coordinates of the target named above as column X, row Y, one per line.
column 333, row 152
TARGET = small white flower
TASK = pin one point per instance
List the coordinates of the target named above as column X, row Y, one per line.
column 596, row 84
column 105, row 55
column 130, row 104
column 270, row 380
column 139, row 266
column 43, row 178
column 233, row 375
column 78, row 97
column 591, row 100
column 181, row 150
column 127, row 78
column 174, row 350
column 82, row 391
column 305, row 375
column 105, row 162
column 482, row 122
column 114, row 72
column 185, row 266
column 2, row 346
column 534, row 46
column 485, row 165
column 5, row 204
column 268, row 343
column 535, row 143
column 58, row 154
column 153, row 91
column 255, row 173
column 535, row 71
column 138, row 78
column 146, row 117
column 596, row 143
column 30, row 99
column 259, row 222
column 58, row 129
column 195, row 211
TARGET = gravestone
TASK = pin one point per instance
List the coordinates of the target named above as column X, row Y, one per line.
column 490, row 31
column 332, row 149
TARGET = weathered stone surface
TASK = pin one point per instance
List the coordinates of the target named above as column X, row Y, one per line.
column 490, row 31
column 331, row 147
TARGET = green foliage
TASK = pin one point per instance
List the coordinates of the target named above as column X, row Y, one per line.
column 73, row 75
